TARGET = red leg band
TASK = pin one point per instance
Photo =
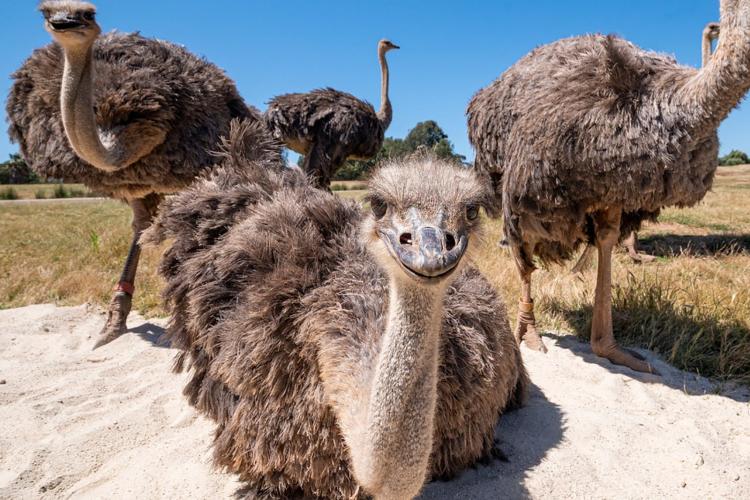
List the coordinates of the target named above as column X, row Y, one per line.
column 124, row 286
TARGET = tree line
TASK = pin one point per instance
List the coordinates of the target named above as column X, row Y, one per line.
column 16, row 171
column 735, row 157
column 425, row 135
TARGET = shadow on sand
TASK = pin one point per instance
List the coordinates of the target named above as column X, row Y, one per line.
column 666, row 329
column 154, row 334
column 525, row 436
column 670, row 245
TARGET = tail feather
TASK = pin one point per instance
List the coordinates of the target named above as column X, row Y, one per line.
column 250, row 169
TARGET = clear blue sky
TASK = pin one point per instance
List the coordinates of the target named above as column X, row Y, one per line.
column 450, row 49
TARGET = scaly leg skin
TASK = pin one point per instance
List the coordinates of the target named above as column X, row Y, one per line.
column 526, row 326
column 117, row 315
column 602, row 337
column 631, row 245
column 119, row 307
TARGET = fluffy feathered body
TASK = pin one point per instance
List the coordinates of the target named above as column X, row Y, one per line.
column 339, row 124
column 277, row 305
column 147, row 84
column 584, row 123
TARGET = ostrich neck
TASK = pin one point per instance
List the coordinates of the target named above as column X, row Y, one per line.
column 385, row 115
column 399, row 429
column 706, row 50
column 709, row 96
column 77, row 107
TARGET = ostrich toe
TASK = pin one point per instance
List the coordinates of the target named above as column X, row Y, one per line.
column 116, row 319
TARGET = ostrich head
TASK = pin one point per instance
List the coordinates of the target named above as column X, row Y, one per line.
column 386, row 45
column 422, row 216
column 71, row 23
column 711, row 31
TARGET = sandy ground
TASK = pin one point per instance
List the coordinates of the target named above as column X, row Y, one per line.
column 112, row 423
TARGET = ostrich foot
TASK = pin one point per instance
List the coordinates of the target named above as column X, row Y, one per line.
column 634, row 354
column 116, row 317
column 625, row 357
column 526, row 328
column 631, row 245
column 641, row 258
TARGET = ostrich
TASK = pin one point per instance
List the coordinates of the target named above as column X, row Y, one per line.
column 585, row 138
column 710, row 33
column 328, row 126
column 140, row 117
column 340, row 353
column 630, row 243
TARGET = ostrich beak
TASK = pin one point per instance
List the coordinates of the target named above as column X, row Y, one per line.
column 62, row 21
column 427, row 252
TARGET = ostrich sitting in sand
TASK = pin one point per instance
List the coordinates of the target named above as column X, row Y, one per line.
column 630, row 243
column 341, row 353
column 585, row 138
column 329, row 126
column 131, row 118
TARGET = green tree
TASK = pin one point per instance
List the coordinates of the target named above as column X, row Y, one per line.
column 735, row 157
column 429, row 135
column 16, row 171
column 425, row 135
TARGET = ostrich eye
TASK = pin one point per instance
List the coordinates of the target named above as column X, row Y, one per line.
column 378, row 207
column 472, row 212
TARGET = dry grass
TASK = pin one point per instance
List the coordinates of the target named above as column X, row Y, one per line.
column 32, row 191
column 692, row 305
column 70, row 253
column 348, row 185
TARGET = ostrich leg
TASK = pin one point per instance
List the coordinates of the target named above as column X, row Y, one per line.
column 526, row 325
column 144, row 210
column 317, row 165
column 602, row 337
column 631, row 245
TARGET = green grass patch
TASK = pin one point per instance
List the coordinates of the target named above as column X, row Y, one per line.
column 8, row 193
column 690, row 218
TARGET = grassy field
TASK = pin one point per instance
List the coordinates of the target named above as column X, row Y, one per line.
column 348, row 185
column 39, row 191
column 692, row 305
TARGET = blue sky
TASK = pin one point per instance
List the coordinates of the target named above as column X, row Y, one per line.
column 449, row 49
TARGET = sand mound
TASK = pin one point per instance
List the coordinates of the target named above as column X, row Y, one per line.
column 113, row 423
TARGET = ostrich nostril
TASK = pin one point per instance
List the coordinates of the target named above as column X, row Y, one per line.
column 450, row 241
column 405, row 239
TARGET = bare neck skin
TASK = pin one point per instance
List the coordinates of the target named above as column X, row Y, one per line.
column 393, row 459
column 706, row 49
column 77, row 107
column 716, row 89
column 385, row 115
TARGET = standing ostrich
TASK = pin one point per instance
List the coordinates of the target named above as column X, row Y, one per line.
column 710, row 33
column 341, row 353
column 329, row 127
column 140, row 117
column 585, row 138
